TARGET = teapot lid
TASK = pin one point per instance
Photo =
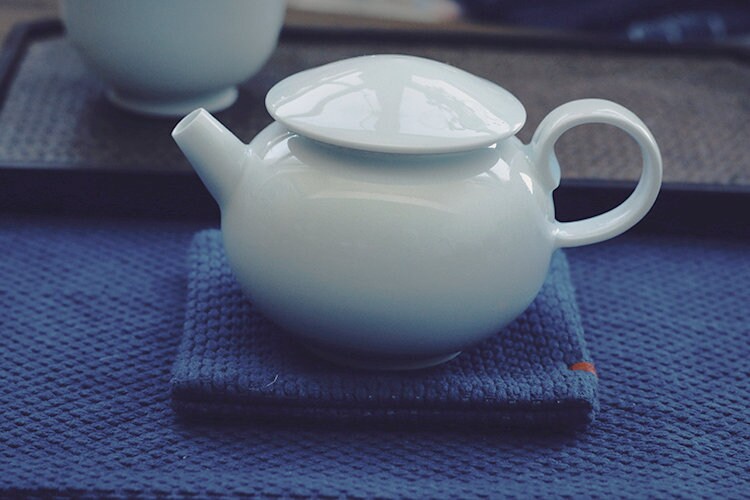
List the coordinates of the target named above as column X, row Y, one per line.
column 395, row 104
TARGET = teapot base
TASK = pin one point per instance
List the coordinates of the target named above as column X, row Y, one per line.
column 379, row 363
column 212, row 101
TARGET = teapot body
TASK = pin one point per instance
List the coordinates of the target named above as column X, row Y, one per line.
column 388, row 260
column 390, row 217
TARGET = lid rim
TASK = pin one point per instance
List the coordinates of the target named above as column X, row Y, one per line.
column 398, row 149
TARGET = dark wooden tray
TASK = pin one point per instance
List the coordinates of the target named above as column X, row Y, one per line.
column 93, row 184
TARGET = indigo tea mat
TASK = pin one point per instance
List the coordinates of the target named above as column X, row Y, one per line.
column 234, row 363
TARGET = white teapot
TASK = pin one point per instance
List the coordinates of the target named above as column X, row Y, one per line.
column 389, row 217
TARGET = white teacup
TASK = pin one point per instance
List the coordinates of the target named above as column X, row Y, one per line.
column 167, row 57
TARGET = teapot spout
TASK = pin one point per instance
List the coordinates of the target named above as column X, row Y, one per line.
column 216, row 154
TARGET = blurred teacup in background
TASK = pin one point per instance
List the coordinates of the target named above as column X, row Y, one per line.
column 168, row 57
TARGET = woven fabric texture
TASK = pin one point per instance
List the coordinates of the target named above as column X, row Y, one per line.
column 233, row 362
column 91, row 319
column 696, row 107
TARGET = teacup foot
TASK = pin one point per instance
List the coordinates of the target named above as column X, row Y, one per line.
column 214, row 101
column 380, row 363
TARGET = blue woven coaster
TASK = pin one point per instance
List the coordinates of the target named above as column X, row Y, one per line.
column 233, row 363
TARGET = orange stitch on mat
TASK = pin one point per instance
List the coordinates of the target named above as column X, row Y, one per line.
column 584, row 367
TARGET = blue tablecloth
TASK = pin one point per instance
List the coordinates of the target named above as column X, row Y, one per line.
column 91, row 315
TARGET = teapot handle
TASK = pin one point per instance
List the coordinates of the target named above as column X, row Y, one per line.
column 629, row 212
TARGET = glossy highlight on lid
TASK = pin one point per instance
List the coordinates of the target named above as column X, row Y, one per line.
column 396, row 104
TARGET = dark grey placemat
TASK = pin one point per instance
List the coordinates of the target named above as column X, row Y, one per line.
column 698, row 108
